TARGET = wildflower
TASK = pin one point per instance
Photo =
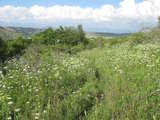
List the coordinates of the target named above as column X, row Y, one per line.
column 44, row 111
column 10, row 103
column 5, row 67
column 36, row 117
column 29, row 90
column 37, row 114
column 73, row 92
column 37, row 95
column 57, row 74
column 17, row 110
column 9, row 98
column 27, row 102
column 121, row 71
column 37, row 90
column 11, row 77
column 9, row 118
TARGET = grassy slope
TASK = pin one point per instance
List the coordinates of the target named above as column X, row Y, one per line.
column 131, row 76
column 9, row 33
column 59, row 86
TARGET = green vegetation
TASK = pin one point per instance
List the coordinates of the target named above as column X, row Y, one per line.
column 65, row 36
column 2, row 50
column 12, row 48
column 62, row 75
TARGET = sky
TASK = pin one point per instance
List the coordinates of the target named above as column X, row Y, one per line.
column 118, row 16
column 46, row 3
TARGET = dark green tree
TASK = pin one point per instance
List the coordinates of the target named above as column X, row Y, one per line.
column 82, row 36
column 16, row 46
column 66, row 36
column 2, row 50
column 45, row 37
column 159, row 22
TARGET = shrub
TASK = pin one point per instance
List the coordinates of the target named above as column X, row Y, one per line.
column 137, row 38
column 63, row 35
column 96, row 43
column 15, row 47
column 2, row 50
column 45, row 37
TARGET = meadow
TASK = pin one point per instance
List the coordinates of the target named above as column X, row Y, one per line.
column 101, row 79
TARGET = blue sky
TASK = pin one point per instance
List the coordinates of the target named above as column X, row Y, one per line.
column 117, row 16
column 82, row 3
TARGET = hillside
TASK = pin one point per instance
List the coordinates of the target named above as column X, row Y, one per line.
column 105, row 34
column 8, row 33
column 62, row 75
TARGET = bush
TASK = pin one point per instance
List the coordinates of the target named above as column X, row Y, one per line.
column 15, row 47
column 45, row 37
column 2, row 50
column 137, row 38
column 132, row 39
column 96, row 43
column 63, row 35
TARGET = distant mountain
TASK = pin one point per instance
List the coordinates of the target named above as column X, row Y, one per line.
column 103, row 34
column 8, row 33
column 111, row 34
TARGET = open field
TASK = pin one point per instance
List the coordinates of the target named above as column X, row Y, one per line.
column 89, row 79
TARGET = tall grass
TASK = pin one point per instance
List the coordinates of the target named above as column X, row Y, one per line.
column 37, row 84
column 131, row 76
column 117, row 82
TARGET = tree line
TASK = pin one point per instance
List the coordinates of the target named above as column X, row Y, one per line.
column 63, row 35
column 68, row 36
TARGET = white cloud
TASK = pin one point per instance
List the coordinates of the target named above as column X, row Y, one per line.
column 123, row 17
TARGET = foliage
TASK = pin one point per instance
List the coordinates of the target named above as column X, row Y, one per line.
column 63, row 35
column 44, row 86
column 131, row 39
column 98, row 42
column 102, row 83
column 117, row 80
column 16, row 46
column 45, row 37
column 138, row 38
column 12, row 48
column 131, row 82
column 2, row 50
column 155, row 33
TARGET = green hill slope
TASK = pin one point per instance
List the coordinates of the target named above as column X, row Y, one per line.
column 7, row 33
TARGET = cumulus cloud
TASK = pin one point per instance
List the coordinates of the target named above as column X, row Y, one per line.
column 129, row 15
